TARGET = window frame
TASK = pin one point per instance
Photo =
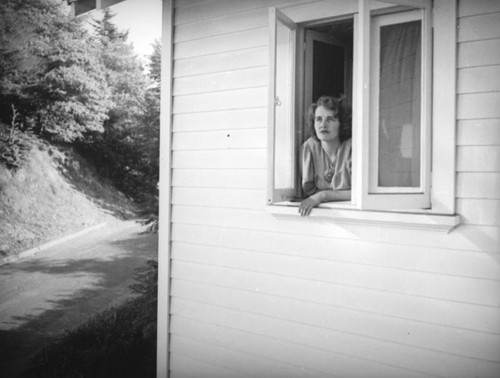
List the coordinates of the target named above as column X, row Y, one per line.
column 280, row 194
column 442, row 192
column 372, row 197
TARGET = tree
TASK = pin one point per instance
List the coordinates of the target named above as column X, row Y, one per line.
column 124, row 73
column 50, row 70
column 127, row 151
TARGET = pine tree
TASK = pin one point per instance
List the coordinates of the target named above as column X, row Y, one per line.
column 50, row 71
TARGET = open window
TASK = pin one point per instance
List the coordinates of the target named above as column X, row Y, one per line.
column 283, row 175
column 379, row 56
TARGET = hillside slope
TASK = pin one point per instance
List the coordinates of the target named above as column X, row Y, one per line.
column 55, row 194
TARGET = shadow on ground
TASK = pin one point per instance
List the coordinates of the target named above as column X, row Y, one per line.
column 58, row 306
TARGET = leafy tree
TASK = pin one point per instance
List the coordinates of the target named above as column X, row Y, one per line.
column 50, row 70
column 127, row 151
column 154, row 64
column 124, row 72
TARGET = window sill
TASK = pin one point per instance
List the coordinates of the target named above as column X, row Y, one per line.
column 344, row 212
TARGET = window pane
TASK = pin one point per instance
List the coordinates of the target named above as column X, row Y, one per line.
column 400, row 105
column 284, row 173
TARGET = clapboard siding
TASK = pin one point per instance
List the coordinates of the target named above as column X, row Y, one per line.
column 479, row 53
column 223, row 43
column 360, row 349
column 479, row 79
column 219, row 178
column 227, row 100
column 480, row 132
column 478, row 159
column 479, row 105
column 230, row 358
column 222, row 62
column 220, row 139
column 256, row 296
column 219, row 9
column 478, row 185
column 297, row 357
column 479, row 211
column 188, row 3
column 220, row 120
column 220, row 159
column 475, row 7
column 198, row 369
column 479, row 27
column 312, row 303
column 404, row 332
column 229, row 24
column 478, row 113
column 330, row 342
column 465, row 237
column 235, row 79
column 398, row 281
column 219, row 197
column 188, row 366
column 429, row 260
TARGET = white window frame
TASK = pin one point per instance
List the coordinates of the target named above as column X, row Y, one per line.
column 280, row 194
column 441, row 214
column 409, row 198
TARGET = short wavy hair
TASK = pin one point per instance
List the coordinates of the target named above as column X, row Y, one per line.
column 340, row 109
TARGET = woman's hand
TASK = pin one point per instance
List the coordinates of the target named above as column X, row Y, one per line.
column 316, row 199
column 308, row 204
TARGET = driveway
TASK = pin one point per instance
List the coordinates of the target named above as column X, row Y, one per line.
column 59, row 288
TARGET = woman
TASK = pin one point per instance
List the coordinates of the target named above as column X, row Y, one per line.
column 326, row 156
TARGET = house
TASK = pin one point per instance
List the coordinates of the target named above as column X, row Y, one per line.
column 401, row 281
column 79, row 7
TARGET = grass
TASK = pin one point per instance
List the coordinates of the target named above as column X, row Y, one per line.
column 119, row 342
column 56, row 193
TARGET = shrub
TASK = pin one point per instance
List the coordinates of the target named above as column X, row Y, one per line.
column 15, row 143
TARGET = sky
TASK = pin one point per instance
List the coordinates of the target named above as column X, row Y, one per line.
column 142, row 18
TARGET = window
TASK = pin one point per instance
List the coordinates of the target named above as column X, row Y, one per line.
column 380, row 56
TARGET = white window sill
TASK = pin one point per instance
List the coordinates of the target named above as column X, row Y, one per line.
column 345, row 212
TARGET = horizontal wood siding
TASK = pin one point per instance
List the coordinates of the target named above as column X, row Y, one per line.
column 255, row 296
column 478, row 112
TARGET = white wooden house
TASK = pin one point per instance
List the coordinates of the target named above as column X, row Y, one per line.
column 403, row 280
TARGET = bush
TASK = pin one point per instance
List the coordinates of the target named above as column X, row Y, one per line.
column 15, row 143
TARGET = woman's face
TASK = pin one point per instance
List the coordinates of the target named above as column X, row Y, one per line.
column 326, row 124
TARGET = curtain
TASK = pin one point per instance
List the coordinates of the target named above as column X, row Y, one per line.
column 400, row 105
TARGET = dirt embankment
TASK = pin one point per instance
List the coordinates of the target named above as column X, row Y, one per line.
column 55, row 194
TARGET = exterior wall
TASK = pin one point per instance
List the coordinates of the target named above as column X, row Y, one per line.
column 255, row 296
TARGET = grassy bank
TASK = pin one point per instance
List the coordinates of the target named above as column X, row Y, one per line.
column 54, row 194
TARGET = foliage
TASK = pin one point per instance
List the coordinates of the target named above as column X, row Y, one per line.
column 146, row 279
column 15, row 144
column 50, row 70
column 80, row 88
column 119, row 342
column 155, row 62
column 128, row 150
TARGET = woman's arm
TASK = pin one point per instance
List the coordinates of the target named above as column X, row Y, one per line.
column 310, row 202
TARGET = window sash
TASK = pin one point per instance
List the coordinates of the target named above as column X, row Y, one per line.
column 375, row 111
column 365, row 195
column 283, row 180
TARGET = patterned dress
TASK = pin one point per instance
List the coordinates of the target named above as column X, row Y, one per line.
column 319, row 172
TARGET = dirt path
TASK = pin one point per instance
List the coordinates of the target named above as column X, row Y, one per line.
column 44, row 295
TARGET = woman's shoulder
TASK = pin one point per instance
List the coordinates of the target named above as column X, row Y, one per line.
column 311, row 143
column 346, row 145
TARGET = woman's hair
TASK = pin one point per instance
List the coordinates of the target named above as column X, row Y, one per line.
column 340, row 109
